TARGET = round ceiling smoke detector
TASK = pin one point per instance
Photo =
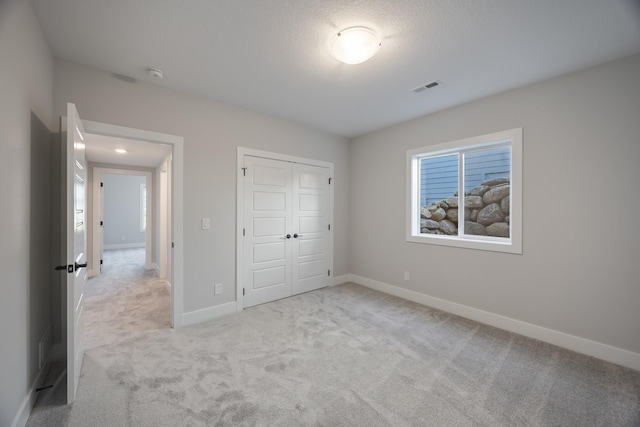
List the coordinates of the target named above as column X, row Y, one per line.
column 155, row 73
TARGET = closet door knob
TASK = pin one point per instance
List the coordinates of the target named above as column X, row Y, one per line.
column 296, row 235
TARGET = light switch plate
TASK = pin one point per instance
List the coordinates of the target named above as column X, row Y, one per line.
column 217, row 289
column 206, row 223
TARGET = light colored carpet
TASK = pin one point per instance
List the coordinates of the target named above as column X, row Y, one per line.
column 344, row 355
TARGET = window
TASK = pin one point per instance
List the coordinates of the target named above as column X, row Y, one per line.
column 467, row 193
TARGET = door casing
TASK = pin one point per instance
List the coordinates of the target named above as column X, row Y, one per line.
column 176, row 268
column 98, row 211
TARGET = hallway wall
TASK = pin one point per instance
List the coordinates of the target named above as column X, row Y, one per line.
column 122, row 211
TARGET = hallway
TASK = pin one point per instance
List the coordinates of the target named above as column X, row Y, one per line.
column 124, row 300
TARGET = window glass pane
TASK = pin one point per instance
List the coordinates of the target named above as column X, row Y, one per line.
column 439, row 195
column 487, row 192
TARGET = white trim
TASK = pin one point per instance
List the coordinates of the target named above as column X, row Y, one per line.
column 177, row 210
column 339, row 280
column 126, row 246
column 209, row 313
column 241, row 153
column 155, row 267
column 581, row 345
column 97, row 172
column 22, row 416
column 513, row 245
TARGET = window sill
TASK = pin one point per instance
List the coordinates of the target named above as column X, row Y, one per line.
column 494, row 245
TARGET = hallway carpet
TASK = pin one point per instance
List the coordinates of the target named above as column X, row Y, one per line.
column 340, row 356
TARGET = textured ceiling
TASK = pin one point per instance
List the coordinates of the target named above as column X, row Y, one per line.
column 101, row 149
column 272, row 56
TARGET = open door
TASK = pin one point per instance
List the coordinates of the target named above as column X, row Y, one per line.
column 76, row 277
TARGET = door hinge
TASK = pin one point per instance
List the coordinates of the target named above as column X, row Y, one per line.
column 244, row 232
column 242, row 291
column 102, row 184
column 244, row 171
column 330, row 181
column 328, row 272
column 101, row 223
column 172, row 245
column 329, row 227
column 100, row 262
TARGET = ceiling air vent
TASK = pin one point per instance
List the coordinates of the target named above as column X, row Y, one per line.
column 123, row 78
column 430, row 85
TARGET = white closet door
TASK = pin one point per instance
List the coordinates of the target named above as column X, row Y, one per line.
column 267, row 222
column 310, row 228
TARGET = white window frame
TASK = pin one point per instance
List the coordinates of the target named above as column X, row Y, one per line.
column 513, row 244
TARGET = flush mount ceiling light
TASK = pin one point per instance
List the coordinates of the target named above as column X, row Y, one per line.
column 120, row 150
column 355, row 45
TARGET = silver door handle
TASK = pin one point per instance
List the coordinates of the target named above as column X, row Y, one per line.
column 296, row 235
column 288, row 236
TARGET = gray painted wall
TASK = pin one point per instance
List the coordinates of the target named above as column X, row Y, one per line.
column 579, row 270
column 26, row 88
column 122, row 210
column 212, row 131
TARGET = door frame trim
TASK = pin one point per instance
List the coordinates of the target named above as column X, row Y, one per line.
column 97, row 210
column 177, row 215
column 241, row 153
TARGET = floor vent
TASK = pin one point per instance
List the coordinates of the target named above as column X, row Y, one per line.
column 429, row 85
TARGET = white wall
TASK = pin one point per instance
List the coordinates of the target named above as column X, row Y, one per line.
column 26, row 70
column 211, row 132
column 122, row 210
column 580, row 268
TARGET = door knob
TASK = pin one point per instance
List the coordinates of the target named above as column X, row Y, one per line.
column 79, row 266
column 68, row 268
column 288, row 236
column 296, row 235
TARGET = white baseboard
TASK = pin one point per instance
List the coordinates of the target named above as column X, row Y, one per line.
column 581, row 345
column 22, row 416
column 339, row 280
column 209, row 313
column 124, row 246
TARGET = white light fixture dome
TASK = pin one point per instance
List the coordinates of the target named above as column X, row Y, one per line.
column 355, row 45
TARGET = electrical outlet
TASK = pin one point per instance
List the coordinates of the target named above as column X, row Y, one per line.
column 217, row 289
column 406, row 275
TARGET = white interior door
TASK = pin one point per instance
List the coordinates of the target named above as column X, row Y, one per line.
column 311, row 228
column 76, row 277
column 285, row 236
column 267, row 230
